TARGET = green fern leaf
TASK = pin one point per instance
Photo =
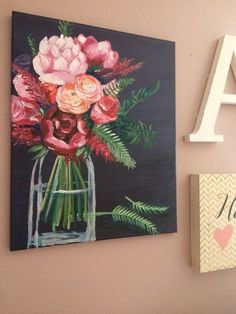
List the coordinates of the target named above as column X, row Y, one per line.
column 144, row 208
column 115, row 145
column 125, row 215
column 138, row 97
column 115, row 87
column 66, row 28
column 134, row 132
column 32, row 44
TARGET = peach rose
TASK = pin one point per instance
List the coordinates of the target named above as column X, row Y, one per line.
column 77, row 98
column 69, row 100
column 89, row 87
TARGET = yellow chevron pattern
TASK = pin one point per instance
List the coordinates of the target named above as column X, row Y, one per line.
column 213, row 189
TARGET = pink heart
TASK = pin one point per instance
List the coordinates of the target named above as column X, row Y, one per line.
column 222, row 236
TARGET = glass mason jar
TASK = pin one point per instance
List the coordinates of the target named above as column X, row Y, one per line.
column 61, row 202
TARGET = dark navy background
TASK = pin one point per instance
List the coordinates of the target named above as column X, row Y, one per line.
column 154, row 179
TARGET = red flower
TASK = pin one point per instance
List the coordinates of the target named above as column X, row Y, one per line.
column 25, row 135
column 24, row 111
column 63, row 132
column 105, row 110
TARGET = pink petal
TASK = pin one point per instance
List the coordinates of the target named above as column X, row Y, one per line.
column 81, row 39
column 53, row 39
column 55, row 51
column 57, row 78
column 77, row 67
column 75, row 50
column 37, row 65
column 69, row 42
column 104, row 46
column 60, row 64
column 67, row 55
column 44, row 46
column 45, row 62
column 111, row 59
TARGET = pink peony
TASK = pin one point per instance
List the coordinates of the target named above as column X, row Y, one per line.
column 59, row 60
column 105, row 110
column 24, row 111
column 98, row 52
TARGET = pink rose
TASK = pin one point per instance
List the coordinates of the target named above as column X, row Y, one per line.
column 21, row 87
column 98, row 52
column 24, row 111
column 105, row 110
column 63, row 133
column 59, row 60
column 77, row 98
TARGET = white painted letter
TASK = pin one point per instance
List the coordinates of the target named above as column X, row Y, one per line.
column 204, row 130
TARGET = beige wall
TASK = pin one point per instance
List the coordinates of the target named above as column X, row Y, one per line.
column 144, row 275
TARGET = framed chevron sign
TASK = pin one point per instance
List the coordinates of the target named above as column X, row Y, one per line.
column 213, row 221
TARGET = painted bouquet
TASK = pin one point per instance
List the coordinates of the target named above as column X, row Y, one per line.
column 67, row 102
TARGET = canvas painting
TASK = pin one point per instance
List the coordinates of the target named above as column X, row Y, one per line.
column 213, row 216
column 93, row 133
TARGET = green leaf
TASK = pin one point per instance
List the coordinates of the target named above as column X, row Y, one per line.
column 94, row 67
column 35, row 148
column 115, row 145
column 39, row 153
column 66, row 28
column 32, row 44
column 144, row 208
column 115, row 87
column 138, row 97
column 125, row 215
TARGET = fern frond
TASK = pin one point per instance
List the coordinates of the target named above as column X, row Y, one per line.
column 99, row 147
column 66, row 28
column 32, row 45
column 125, row 215
column 115, row 145
column 134, row 132
column 138, row 97
column 115, row 87
column 139, row 131
column 144, row 208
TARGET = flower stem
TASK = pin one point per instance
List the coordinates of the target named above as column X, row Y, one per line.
column 48, row 194
column 129, row 199
column 83, row 186
column 104, row 213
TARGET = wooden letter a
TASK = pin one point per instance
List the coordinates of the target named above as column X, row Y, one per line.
column 214, row 95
